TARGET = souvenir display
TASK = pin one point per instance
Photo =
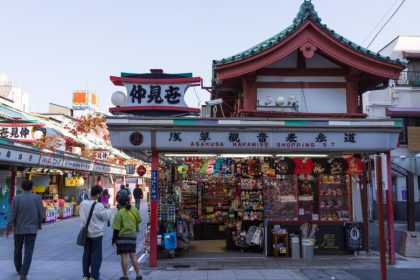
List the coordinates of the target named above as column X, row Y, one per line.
column 224, row 198
column 334, row 198
column 189, row 198
column 306, row 188
column 216, row 196
column 281, row 198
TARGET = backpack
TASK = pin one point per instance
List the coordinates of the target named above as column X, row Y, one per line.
column 122, row 192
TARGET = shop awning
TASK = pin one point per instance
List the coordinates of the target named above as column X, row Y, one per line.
column 403, row 111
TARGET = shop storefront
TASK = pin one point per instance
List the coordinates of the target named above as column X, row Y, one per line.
column 59, row 178
column 280, row 149
column 232, row 178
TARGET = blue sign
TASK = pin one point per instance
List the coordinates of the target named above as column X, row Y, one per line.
column 154, row 184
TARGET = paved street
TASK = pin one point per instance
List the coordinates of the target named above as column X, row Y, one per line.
column 57, row 257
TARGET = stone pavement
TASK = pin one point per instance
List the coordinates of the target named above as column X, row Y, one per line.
column 57, row 257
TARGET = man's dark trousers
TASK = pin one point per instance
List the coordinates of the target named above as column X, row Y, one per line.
column 138, row 203
column 29, row 241
column 92, row 257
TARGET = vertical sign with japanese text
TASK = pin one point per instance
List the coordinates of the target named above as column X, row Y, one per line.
column 154, row 185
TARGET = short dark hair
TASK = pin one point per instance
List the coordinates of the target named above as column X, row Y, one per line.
column 27, row 185
column 95, row 190
column 124, row 201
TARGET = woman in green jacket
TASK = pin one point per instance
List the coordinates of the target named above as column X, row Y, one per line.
column 126, row 227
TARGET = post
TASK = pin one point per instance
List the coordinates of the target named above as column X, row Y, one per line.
column 13, row 169
column 390, row 211
column 378, row 171
column 153, row 209
column 114, row 184
column 364, row 196
column 411, row 211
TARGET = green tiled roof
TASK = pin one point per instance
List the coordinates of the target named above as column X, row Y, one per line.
column 306, row 12
column 8, row 112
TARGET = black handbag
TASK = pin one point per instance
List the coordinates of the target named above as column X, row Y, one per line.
column 82, row 236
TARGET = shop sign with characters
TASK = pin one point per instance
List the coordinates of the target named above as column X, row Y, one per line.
column 51, row 161
column 165, row 94
column 79, row 165
column 19, row 132
column 74, row 182
column 266, row 140
column 19, row 156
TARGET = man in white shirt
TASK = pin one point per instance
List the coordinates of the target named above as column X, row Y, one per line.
column 92, row 254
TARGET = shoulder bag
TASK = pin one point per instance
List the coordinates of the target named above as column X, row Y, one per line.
column 134, row 218
column 82, row 236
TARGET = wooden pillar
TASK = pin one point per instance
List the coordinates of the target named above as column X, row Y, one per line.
column 390, row 211
column 379, row 198
column 249, row 87
column 352, row 93
column 114, row 185
column 411, row 209
column 13, row 169
column 154, row 209
column 365, row 208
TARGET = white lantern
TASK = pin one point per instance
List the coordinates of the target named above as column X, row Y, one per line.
column 38, row 135
column 280, row 101
column 118, row 98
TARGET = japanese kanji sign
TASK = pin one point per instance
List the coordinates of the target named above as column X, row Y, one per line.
column 161, row 95
column 19, row 133
column 261, row 141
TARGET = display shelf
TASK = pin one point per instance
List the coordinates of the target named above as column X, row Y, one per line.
column 280, row 245
column 334, row 198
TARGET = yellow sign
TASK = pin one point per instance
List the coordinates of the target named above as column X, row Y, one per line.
column 74, row 182
column 93, row 100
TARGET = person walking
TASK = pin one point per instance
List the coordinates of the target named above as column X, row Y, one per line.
column 126, row 227
column 104, row 199
column 83, row 195
column 138, row 196
column 92, row 251
column 25, row 218
column 122, row 192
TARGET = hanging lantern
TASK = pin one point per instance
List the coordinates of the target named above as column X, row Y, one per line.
column 141, row 170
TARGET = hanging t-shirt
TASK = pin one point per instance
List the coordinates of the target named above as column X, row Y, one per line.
column 355, row 166
column 321, row 166
column 336, row 166
column 303, row 165
column 284, row 166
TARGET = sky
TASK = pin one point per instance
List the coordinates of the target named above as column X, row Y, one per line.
column 51, row 48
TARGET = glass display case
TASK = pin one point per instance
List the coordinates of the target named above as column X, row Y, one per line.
column 334, row 200
column 281, row 198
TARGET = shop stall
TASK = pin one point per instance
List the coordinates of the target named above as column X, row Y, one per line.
column 240, row 200
column 252, row 196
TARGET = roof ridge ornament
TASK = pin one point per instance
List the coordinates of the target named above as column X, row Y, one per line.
column 306, row 11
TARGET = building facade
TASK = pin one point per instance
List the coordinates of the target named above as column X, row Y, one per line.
column 12, row 95
column 401, row 99
column 281, row 104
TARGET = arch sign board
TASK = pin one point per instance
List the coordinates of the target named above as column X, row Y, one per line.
column 155, row 93
column 264, row 141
